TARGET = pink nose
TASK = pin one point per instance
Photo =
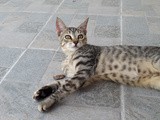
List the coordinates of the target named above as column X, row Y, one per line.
column 76, row 42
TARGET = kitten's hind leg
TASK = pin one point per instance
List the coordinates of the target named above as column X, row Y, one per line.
column 156, row 64
column 59, row 77
column 152, row 81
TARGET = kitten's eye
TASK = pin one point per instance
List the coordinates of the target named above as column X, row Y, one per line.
column 80, row 36
column 68, row 37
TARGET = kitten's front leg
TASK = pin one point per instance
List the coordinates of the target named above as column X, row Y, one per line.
column 66, row 87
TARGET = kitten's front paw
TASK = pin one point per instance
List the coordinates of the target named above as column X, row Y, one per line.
column 45, row 105
column 42, row 107
column 43, row 93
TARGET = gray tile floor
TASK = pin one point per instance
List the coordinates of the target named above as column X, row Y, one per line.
column 30, row 56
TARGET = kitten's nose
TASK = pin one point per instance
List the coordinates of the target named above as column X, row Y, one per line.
column 75, row 42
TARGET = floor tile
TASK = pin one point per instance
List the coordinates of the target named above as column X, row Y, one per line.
column 16, row 101
column 151, row 8
column 69, row 7
column 19, row 29
column 107, row 27
column 8, row 56
column 102, row 7
column 94, row 7
column 107, row 31
column 141, row 7
column 31, row 66
column 79, row 113
column 54, row 68
column 154, row 25
column 136, row 31
column 3, row 71
column 102, row 94
column 47, row 6
column 141, row 108
column 18, row 87
column 128, row 90
column 130, row 7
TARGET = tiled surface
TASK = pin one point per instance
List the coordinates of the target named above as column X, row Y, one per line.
column 44, row 6
column 19, row 29
column 8, row 57
column 142, row 108
column 30, row 56
column 141, row 30
column 141, row 7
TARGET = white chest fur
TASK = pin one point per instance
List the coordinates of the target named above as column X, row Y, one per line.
column 68, row 67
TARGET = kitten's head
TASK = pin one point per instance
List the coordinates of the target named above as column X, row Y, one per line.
column 71, row 38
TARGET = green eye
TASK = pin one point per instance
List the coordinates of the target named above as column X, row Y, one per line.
column 68, row 37
column 80, row 36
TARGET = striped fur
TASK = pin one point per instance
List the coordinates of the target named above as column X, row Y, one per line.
column 129, row 65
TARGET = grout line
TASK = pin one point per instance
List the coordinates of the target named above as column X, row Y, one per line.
column 25, row 12
column 31, row 44
column 141, row 16
column 145, row 17
column 55, row 52
column 122, row 88
column 122, row 103
column 58, row 13
column 149, row 96
column 39, row 32
column 121, row 22
column 45, row 24
column 121, row 30
column 6, row 3
column 49, row 49
column 90, row 14
column 12, row 66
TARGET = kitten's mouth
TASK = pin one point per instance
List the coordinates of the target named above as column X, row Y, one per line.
column 75, row 47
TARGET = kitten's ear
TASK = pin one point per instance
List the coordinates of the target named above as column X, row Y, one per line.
column 60, row 26
column 83, row 26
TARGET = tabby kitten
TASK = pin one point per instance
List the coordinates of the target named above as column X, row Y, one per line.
column 131, row 65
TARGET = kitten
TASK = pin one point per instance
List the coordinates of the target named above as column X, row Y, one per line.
column 130, row 65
